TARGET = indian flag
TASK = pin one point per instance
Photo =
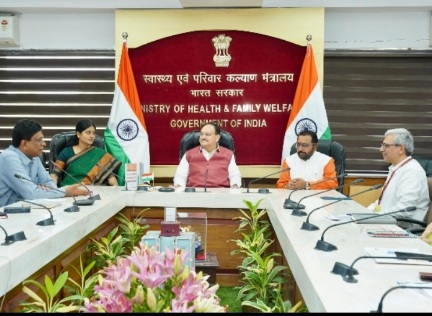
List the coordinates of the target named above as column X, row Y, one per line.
column 308, row 109
column 147, row 177
column 126, row 135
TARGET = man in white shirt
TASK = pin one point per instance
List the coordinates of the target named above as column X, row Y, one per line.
column 406, row 183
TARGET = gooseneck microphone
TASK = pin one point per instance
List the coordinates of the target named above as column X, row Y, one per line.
column 10, row 239
column 348, row 276
column 205, row 180
column 110, row 172
column 289, row 204
column 325, row 246
column 44, row 222
column 298, row 212
column 380, row 305
column 308, row 226
column 265, row 190
column 73, row 208
column 47, row 221
column 91, row 196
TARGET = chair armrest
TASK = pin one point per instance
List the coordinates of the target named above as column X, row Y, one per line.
column 415, row 230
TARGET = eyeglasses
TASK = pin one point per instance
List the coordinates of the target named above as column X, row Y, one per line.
column 388, row 145
column 303, row 145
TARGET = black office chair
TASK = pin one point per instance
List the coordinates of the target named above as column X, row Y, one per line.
column 191, row 140
column 64, row 139
column 336, row 151
column 426, row 163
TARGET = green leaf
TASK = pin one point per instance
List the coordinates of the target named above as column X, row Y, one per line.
column 33, row 295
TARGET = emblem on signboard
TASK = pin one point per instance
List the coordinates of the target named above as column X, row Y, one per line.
column 305, row 124
column 127, row 129
column 221, row 43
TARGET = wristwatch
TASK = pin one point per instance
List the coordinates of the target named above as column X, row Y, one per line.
column 307, row 186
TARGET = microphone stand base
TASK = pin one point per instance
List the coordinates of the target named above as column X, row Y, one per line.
column 324, row 246
column 263, row 191
column 73, row 208
column 82, row 202
column 95, row 197
column 46, row 222
column 349, row 278
column 309, row 226
column 342, row 269
column 291, row 205
column 10, row 239
column 297, row 212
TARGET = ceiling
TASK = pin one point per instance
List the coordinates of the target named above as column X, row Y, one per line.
column 46, row 6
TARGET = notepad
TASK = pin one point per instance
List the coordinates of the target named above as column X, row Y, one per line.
column 392, row 258
column 390, row 234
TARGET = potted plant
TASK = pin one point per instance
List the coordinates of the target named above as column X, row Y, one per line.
column 118, row 244
column 133, row 278
column 262, row 279
column 150, row 281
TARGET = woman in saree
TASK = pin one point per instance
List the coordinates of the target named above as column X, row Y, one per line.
column 84, row 162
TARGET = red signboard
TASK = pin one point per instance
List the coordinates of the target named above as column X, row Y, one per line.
column 245, row 81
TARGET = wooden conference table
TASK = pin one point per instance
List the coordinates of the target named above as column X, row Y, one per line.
column 321, row 290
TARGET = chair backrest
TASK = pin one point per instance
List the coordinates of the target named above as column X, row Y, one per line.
column 426, row 163
column 64, row 139
column 336, row 151
column 191, row 140
column 428, row 215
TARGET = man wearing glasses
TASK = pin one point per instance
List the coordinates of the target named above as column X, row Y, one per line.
column 308, row 167
column 22, row 158
column 406, row 183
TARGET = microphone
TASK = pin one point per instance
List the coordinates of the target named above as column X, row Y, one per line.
column 45, row 222
column 348, row 274
column 297, row 212
column 110, row 172
column 265, row 190
column 91, row 196
column 380, row 305
column 73, row 208
column 10, row 239
column 325, row 246
column 289, row 204
column 205, row 180
column 308, row 226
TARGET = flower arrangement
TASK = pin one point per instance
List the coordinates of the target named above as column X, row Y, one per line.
column 150, row 281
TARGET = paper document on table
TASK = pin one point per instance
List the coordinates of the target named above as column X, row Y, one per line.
column 343, row 217
column 48, row 203
column 390, row 233
column 425, row 292
column 391, row 253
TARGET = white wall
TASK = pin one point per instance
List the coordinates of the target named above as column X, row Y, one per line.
column 376, row 30
column 344, row 29
column 67, row 31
